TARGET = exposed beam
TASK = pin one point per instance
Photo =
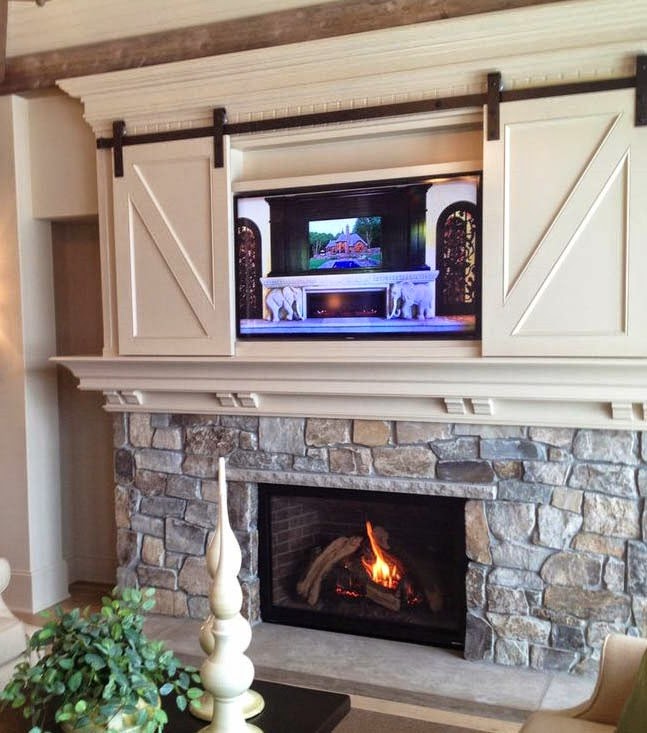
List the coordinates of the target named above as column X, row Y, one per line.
column 4, row 11
column 343, row 17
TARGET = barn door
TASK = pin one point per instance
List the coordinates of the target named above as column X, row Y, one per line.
column 173, row 232
column 564, row 223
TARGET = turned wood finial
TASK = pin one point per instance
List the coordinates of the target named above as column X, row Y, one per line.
column 226, row 673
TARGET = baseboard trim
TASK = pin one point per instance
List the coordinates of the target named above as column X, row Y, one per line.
column 35, row 590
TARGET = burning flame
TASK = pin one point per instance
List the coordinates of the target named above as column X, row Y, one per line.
column 382, row 570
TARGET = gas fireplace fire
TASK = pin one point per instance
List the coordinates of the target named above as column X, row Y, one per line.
column 373, row 563
column 363, row 568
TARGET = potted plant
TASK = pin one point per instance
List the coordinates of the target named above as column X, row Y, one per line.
column 97, row 671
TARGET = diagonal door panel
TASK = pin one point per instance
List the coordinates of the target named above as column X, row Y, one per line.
column 181, row 188
column 172, row 250
column 576, row 210
column 155, row 290
column 596, row 257
column 553, row 158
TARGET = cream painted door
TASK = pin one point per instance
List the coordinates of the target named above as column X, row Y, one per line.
column 173, row 251
column 565, row 229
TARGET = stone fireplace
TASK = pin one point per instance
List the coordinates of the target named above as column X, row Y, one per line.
column 554, row 518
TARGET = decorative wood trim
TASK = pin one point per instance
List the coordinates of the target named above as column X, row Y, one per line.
column 594, row 393
column 622, row 411
column 327, row 20
column 455, row 405
column 483, row 406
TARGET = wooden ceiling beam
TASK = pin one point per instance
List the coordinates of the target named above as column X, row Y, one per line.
column 342, row 17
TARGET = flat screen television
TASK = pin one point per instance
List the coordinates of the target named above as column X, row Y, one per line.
column 387, row 259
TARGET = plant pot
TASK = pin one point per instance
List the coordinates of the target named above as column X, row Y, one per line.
column 119, row 723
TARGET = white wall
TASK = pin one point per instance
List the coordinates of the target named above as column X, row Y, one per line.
column 30, row 520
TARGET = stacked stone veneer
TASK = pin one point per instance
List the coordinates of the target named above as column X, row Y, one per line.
column 555, row 519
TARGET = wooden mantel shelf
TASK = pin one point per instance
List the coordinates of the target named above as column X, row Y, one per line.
column 595, row 393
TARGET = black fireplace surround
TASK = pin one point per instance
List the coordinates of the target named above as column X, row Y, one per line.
column 319, row 569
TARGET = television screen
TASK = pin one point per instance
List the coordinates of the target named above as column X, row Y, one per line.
column 343, row 244
column 387, row 259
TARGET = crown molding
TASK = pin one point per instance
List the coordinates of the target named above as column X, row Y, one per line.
column 279, row 23
column 574, row 40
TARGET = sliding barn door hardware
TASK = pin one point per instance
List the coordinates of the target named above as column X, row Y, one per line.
column 219, row 120
column 118, row 131
column 641, row 91
column 494, row 86
column 493, row 98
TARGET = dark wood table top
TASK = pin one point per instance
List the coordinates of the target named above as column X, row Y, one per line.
column 288, row 709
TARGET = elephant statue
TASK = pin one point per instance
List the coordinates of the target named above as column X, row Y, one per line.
column 406, row 295
column 395, row 294
column 287, row 299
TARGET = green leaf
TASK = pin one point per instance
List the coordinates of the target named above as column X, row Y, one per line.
column 75, row 681
column 166, row 688
column 193, row 693
column 81, row 706
column 181, row 702
column 66, row 663
column 95, row 661
column 45, row 633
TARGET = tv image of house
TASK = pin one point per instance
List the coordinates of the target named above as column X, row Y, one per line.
column 355, row 245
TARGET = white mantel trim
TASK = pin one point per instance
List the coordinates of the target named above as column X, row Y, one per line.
column 566, row 41
column 595, row 393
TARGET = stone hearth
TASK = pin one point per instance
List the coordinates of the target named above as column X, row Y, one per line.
column 555, row 520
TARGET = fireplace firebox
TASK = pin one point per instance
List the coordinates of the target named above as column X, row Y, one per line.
column 347, row 304
column 364, row 562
